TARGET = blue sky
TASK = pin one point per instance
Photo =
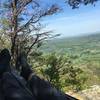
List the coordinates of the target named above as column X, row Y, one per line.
column 70, row 22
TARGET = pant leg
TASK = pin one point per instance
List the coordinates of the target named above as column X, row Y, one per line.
column 43, row 90
column 1, row 93
column 15, row 89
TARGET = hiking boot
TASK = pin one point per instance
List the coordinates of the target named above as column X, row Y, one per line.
column 4, row 61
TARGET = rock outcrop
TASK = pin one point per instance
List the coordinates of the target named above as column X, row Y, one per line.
column 93, row 93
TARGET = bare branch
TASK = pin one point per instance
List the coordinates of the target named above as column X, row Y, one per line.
column 33, row 44
column 24, row 3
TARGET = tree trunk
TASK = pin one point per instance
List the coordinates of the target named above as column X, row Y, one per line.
column 14, row 50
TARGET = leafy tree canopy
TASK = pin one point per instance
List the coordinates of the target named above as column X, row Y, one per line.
column 76, row 3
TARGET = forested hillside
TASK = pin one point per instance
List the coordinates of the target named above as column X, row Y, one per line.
column 84, row 52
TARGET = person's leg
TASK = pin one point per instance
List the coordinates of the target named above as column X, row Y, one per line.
column 13, row 87
column 43, row 90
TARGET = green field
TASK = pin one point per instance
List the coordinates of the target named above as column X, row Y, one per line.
column 84, row 52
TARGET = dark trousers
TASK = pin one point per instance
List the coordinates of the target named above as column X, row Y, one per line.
column 14, row 87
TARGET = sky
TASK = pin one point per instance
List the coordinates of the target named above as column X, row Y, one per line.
column 69, row 22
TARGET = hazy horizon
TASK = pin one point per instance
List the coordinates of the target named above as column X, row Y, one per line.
column 76, row 36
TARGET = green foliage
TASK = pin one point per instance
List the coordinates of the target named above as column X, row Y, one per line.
column 75, row 78
column 59, row 71
column 84, row 52
column 53, row 69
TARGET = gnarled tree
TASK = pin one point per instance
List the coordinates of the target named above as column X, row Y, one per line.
column 20, row 22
